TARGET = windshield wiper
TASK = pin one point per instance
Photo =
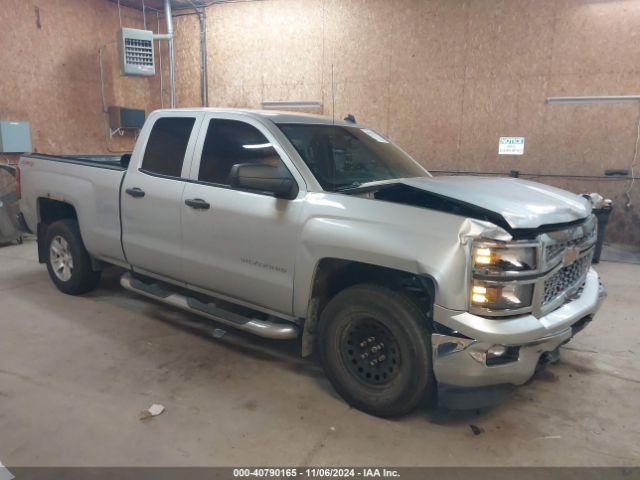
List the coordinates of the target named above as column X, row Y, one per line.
column 361, row 185
column 346, row 188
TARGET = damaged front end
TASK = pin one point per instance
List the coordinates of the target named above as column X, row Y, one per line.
column 525, row 297
column 516, row 285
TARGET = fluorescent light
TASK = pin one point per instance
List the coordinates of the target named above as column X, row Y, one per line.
column 293, row 104
column 593, row 99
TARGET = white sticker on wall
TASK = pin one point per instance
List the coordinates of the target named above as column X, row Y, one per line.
column 375, row 136
column 511, row 146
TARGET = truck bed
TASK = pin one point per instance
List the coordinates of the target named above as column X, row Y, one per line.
column 113, row 162
column 89, row 183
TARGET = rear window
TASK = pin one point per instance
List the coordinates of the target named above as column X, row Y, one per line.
column 167, row 146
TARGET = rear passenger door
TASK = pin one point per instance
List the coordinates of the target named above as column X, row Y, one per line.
column 152, row 193
column 237, row 243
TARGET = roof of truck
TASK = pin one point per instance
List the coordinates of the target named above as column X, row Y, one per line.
column 275, row 116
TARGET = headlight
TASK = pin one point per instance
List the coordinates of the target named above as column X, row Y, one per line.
column 495, row 258
column 496, row 296
column 496, row 288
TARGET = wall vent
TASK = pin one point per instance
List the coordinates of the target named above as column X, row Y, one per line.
column 136, row 52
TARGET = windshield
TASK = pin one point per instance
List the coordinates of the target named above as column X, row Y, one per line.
column 343, row 157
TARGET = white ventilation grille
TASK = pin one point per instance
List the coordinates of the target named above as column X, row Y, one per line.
column 136, row 52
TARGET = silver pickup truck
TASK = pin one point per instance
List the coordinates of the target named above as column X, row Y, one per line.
column 410, row 288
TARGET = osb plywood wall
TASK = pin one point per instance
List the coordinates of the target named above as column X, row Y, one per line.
column 443, row 78
column 50, row 74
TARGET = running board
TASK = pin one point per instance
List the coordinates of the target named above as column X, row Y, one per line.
column 262, row 328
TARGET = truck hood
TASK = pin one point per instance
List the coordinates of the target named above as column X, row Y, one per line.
column 521, row 203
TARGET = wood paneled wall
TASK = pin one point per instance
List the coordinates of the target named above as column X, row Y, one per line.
column 50, row 73
column 444, row 78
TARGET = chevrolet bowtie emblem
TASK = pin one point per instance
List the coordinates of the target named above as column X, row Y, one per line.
column 570, row 256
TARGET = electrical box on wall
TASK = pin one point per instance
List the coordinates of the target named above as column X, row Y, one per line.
column 15, row 137
column 123, row 118
column 136, row 52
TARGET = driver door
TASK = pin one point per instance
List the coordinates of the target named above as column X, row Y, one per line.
column 236, row 243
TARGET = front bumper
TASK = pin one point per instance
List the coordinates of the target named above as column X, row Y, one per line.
column 460, row 358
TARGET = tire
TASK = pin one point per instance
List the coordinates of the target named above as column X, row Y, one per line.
column 402, row 378
column 68, row 261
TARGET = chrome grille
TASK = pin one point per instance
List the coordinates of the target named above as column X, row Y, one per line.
column 555, row 249
column 565, row 279
column 556, row 243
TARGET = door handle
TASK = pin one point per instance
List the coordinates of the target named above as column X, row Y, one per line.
column 135, row 192
column 197, row 203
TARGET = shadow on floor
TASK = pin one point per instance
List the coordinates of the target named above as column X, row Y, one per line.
column 286, row 353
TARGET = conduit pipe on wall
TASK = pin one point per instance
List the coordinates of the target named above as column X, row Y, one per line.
column 172, row 79
column 169, row 38
column 201, row 12
column 202, row 20
column 204, row 87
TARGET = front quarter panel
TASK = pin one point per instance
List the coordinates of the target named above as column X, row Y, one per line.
column 410, row 239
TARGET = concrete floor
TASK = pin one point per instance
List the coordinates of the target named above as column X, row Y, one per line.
column 76, row 372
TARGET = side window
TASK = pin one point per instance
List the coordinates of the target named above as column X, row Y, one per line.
column 229, row 142
column 167, row 145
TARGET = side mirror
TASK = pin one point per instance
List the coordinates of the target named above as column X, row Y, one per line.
column 263, row 178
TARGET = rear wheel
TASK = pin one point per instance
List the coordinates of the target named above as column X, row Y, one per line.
column 68, row 261
column 376, row 350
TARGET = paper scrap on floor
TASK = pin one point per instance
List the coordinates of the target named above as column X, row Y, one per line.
column 153, row 411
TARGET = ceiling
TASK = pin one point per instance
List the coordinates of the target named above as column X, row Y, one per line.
column 159, row 4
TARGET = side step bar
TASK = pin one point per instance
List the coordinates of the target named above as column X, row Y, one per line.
column 262, row 328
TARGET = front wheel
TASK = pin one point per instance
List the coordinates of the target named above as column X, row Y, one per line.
column 68, row 261
column 376, row 351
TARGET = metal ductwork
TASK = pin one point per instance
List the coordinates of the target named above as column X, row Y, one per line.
column 167, row 7
column 158, row 5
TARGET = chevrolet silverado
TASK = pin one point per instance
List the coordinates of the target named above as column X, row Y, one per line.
column 410, row 288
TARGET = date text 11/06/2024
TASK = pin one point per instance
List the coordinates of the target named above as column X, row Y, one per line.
column 315, row 472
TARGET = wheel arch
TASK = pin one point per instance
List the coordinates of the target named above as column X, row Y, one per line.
column 72, row 260
column 49, row 211
column 332, row 275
